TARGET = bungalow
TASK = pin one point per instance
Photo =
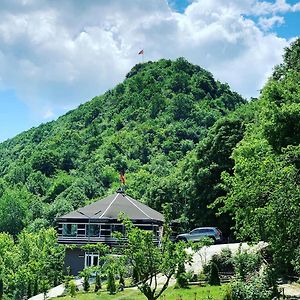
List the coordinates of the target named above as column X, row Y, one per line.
column 96, row 222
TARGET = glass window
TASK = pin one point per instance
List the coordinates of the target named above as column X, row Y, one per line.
column 105, row 230
column 69, row 229
column 93, row 230
column 91, row 259
column 118, row 228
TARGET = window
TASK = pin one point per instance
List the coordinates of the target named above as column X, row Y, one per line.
column 91, row 259
column 93, row 230
column 69, row 230
column 118, row 228
column 105, row 230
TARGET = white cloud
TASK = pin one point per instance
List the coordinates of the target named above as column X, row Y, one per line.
column 279, row 6
column 268, row 23
column 56, row 54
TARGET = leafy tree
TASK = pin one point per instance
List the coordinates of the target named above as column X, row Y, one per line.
column 151, row 261
column 263, row 192
column 13, row 211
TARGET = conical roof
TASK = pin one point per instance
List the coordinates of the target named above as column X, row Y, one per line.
column 110, row 208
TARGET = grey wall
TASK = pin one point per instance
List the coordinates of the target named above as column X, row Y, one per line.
column 75, row 260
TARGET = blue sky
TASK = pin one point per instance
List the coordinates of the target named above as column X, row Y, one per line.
column 55, row 55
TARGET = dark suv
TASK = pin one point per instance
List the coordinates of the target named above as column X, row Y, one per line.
column 196, row 234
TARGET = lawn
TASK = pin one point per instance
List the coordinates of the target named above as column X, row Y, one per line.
column 192, row 293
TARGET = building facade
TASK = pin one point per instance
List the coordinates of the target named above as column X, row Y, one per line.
column 96, row 223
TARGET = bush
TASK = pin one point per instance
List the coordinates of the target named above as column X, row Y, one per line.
column 213, row 278
column 181, row 277
column 86, row 284
column 246, row 263
column 72, row 288
column 98, row 285
column 224, row 260
column 121, row 282
column 254, row 289
column 111, row 284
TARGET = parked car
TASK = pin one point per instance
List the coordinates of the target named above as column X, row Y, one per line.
column 196, row 234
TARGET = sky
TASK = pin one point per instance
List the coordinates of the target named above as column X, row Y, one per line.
column 55, row 55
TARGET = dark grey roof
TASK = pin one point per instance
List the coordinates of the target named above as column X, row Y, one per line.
column 111, row 207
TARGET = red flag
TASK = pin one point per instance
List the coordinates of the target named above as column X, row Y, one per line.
column 141, row 52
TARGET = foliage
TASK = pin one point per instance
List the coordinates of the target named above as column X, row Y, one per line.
column 111, row 283
column 224, row 260
column 181, row 277
column 147, row 125
column 98, row 284
column 246, row 263
column 72, row 288
column 255, row 288
column 151, row 261
column 30, row 263
column 213, row 278
column 262, row 194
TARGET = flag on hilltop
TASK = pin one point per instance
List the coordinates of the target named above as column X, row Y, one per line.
column 141, row 52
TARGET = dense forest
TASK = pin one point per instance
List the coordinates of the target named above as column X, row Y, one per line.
column 182, row 138
column 146, row 126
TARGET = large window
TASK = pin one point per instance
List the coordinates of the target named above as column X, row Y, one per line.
column 69, row 230
column 93, row 230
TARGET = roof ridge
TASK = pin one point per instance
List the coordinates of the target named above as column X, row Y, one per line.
column 137, row 206
column 108, row 206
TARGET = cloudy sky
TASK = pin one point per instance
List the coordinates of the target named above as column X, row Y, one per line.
column 55, row 55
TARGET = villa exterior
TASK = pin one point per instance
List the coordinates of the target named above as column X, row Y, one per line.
column 96, row 222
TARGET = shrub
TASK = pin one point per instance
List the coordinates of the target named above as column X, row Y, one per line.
column 72, row 288
column 86, row 284
column 98, row 285
column 1, row 287
column 121, row 282
column 224, row 260
column 255, row 288
column 246, row 263
column 228, row 293
column 181, row 277
column 213, row 278
column 111, row 284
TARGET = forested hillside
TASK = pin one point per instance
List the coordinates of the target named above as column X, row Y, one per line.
column 183, row 139
column 150, row 126
column 263, row 192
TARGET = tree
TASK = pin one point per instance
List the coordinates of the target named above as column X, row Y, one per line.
column 151, row 261
column 213, row 277
column 13, row 211
column 111, row 283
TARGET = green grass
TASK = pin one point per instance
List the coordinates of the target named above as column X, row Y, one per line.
column 201, row 293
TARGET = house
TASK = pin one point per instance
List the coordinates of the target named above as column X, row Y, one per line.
column 96, row 223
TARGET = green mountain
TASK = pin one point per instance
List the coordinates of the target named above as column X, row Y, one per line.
column 147, row 126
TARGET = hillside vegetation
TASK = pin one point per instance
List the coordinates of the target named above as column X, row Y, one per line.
column 146, row 126
column 184, row 139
